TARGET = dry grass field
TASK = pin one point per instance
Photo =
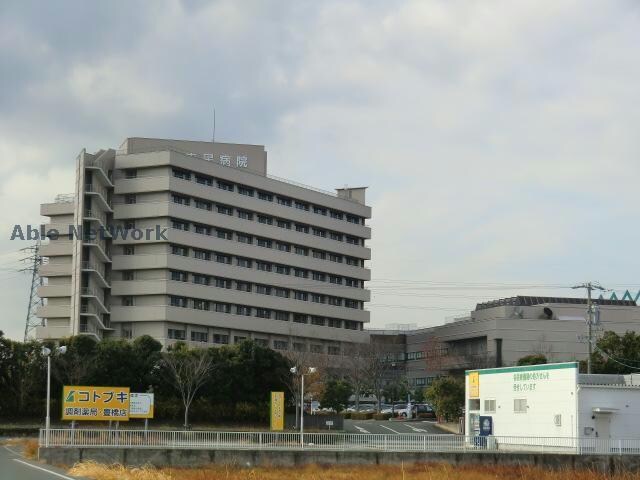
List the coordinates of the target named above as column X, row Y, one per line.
column 317, row 472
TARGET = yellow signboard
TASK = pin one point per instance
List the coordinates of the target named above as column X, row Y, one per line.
column 95, row 403
column 474, row 384
column 277, row 411
column 141, row 405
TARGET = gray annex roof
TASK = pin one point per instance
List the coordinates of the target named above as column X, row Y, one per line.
column 632, row 380
column 527, row 301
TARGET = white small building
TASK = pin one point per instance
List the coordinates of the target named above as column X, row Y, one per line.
column 551, row 400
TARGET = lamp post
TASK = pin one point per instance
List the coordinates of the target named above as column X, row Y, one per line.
column 46, row 352
column 294, row 370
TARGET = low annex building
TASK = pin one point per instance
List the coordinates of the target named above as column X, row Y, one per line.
column 552, row 400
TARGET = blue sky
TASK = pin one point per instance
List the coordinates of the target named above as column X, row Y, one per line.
column 498, row 139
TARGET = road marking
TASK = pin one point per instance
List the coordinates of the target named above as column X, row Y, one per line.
column 43, row 469
column 13, row 451
column 394, row 431
column 417, row 429
column 361, row 430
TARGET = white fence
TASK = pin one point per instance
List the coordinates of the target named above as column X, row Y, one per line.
column 333, row 442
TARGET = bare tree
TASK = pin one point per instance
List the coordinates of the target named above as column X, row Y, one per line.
column 379, row 369
column 188, row 370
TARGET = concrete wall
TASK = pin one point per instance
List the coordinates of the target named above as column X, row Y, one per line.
column 608, row 411
column 252, row 458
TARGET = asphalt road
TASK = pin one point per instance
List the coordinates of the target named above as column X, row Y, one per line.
column 14, row 467
column 423, row 427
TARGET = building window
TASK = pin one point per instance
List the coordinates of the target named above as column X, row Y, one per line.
column 224, row 234
column 265, row 220
column 299, row 347
column 335, row 279
column 300, row 296
column 335, row 236
column 222, row 307
column 243, row 214
column 302, row 251
column 243, row 286
column 490, row 406
column 353, row 240
column 280, row 345
column 225, row 186
column 299, row 318
column 242, row 238
column 354, row 262
column 302, row 273
column 243, row 262
column 352, row 282
column 302, row 206
column 263, row 342
column 333, row 350
column 284, row 201
column 283, row 247
column 201, row 305
column 320, row 210
column 223, row 283
column 238, row 339
column 334, row 323
column 128, row 250
column 351, row 325
column 353, row 219
column 179, row 225
column 223, row 209
column 316, row 348
column 204, row 180
column 263, row 242
column 245, row 191
column 203, row 205
column 201, row 254
column 320, row 255
column 302, row 228
column 199, row 337
column 351, row 303
column 131, row 173
column 178, row 250
column 178, row 276
column 335, row 301
column 335, row 258
column 267, row 197
column 263, row 290
column 221, row 258
column 281, row 292
column 241, row 310
column 128, row 301
column 128, row 275
column 319, row 321
column 180, row 199
column 318, row 276
column 265, row 267
column 175, row 301
column 182, row 174
column 263, row 313
column 283, row 270
column 127, row 332
column 200, row 279
column 130, row 198
column 221, row 339
column 284, row 316
column 336, row 215
column 318, row 232
column 315, row 298
column 284, row 224
column 202, row 229
column 519, row 405
column 175, row 334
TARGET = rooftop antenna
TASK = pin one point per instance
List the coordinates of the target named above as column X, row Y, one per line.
column 213, row 138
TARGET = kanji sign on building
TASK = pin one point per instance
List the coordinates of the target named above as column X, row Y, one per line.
column 95, row 403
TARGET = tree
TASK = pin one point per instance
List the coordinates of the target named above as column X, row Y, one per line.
column 378, row 369
column 616, row 354
column 396, row 389
column 336, row 394
column 446, row 394
column 534, row 359
column 187, row 372
column 357, row 368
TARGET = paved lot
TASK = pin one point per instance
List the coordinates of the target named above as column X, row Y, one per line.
column 423, row 427
column 14, row 467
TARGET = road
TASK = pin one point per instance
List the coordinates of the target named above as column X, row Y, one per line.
column 13, row 466
column 423, row 427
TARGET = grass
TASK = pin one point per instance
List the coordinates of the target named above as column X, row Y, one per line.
column 317, row 472
column 27, row 446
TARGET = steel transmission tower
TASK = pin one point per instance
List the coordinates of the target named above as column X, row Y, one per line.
column 35, row 260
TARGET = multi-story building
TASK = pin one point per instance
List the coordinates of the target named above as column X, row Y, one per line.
column 500, row 332
column 203, row 246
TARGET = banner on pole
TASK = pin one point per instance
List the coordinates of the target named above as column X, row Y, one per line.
column 277, row 411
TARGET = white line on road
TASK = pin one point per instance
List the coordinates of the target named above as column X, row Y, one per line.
column 361, row 430
column 417, row 429
column 13, row 451
column 394, row 431
column 43, row 469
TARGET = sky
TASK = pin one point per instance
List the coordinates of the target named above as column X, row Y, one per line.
column 498, row 139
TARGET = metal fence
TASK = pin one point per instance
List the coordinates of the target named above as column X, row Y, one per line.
column 104, row 438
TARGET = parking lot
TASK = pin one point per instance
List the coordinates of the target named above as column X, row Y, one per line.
column 424, row 427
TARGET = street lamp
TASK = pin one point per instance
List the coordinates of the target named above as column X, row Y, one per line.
column 294, row 370
column 46, row 352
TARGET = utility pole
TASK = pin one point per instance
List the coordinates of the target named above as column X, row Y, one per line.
column 33, row 256
column 590, row 286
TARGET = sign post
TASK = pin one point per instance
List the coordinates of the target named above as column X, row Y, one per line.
column 277, row 411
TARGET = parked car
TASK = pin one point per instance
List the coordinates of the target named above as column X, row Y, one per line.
column 395, row 409
column 425, row 410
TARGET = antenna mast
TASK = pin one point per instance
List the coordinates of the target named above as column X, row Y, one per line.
column 33, row 256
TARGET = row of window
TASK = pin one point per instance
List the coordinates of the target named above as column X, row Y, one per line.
column 248, row 311
column 260, row 241
column 209, row 256
column 220, row 282
column 203, row 337
column 261, row 218
column 207, row 180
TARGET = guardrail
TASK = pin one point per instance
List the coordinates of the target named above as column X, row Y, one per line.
column 103, row 438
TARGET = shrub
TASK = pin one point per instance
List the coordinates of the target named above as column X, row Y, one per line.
column 361, row 416
column 346, row 415
column 381, row 416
